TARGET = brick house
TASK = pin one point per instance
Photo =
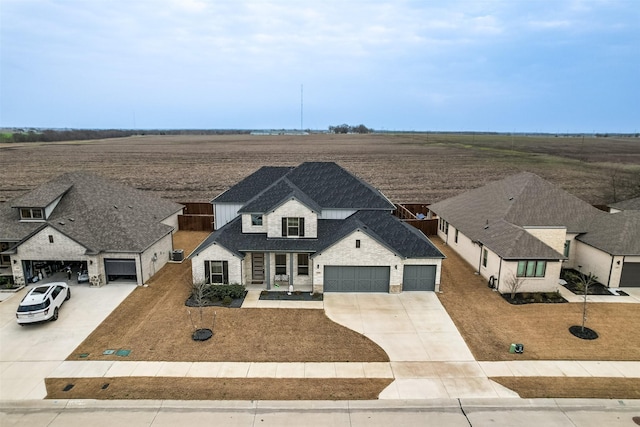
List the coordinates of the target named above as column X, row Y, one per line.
column 315, row 226
column 526, row 227
column 89, row 223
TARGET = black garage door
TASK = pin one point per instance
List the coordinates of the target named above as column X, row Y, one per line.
column 120, row 269
column 356, row 279
column 630, row 275
column 419, row 278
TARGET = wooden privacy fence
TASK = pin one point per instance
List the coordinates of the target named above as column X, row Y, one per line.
column 196, row 217
column 407, row 213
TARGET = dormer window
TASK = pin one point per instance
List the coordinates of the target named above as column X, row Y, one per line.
column 256, row 219
column 292, row 227
column 31, row 213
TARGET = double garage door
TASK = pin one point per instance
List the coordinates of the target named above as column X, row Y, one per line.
column 376, row 279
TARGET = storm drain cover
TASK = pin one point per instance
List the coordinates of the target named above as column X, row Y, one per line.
column 123, row 353
column 108, row 352
column 67, row 387
column 104, row 386
column 83, row 355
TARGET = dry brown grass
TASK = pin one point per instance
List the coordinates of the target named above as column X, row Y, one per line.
column 217, row 388
column 154, row 324
column 489, row 324
column 572, row 387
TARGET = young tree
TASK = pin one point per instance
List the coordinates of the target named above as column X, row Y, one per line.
column 513, row 283
column 584, row 281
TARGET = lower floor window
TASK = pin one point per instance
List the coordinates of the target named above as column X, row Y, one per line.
column 217, row 272
column 303, row 264
column 281, row 263
column 531, row 268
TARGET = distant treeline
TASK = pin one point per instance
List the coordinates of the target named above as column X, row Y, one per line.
column 52, row 135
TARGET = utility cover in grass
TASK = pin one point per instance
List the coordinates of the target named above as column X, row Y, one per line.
column 295, row 296
column 107, row 352
column 123, row 353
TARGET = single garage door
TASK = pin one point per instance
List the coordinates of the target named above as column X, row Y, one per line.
column 630, row 275
column 120, row 269
column 356, row 279
column 419, row 278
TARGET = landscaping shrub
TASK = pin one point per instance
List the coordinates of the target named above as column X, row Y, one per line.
column 219, row 292
column 227, row 300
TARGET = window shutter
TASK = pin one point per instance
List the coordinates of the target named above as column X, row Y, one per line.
column 301, row 227
column 207, row 272
column 284, row 227
column 225, row 272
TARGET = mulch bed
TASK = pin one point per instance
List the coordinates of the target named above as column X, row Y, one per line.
column 295, row 296
column 235, row 303
column 534, row 298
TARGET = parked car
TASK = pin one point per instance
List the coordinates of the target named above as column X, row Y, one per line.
column 83, row 276
column 42, row 303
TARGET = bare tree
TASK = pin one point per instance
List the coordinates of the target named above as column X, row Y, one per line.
column 584, row 281
column 513, row 284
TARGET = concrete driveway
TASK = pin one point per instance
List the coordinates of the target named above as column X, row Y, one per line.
column 30, row 353
column 429, row 358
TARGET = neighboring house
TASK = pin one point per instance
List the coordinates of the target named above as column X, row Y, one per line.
column 318, row 226
column 525, row 227
column 81, row 220
column 627, row 205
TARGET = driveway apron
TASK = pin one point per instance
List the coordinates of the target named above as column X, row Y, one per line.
column 428, row 356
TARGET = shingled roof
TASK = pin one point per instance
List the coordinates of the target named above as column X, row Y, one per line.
column 100, row 214
column 616, row 234
column 400, row 238
column 627, row 205
column 496, row 213
column 324, row 185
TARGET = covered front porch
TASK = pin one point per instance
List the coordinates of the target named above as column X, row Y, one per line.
column 277, row 271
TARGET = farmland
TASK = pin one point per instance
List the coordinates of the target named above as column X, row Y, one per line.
column 407, row 167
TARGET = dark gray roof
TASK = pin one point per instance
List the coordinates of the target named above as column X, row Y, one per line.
column 275, row 195
column 404, row 240
column 628, row 205
column 252, row 185
column 616, row 234
column 100, row 214
column 521, row 200
column 325, row 185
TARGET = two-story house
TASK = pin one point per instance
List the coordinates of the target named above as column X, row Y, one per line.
column 83, row 221
column 314, row 226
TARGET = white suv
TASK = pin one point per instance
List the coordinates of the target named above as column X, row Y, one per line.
column 42, row 303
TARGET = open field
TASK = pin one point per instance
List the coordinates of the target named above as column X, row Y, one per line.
column 408, row 168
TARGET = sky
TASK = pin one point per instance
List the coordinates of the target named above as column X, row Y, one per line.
column 425, row 65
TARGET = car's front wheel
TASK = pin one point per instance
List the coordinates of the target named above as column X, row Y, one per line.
column 55, row 315
column 68, row 297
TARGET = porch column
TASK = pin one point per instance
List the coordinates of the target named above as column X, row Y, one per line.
column 291, row 268
column 267, row 269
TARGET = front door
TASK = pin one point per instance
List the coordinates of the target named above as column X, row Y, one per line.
column 257, row 267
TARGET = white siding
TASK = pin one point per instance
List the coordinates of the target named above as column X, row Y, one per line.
column 571, row 262
column 49, row 209
column 224, row 213
column 548, row 283
column 160, row 251
column 292, row 208
column 336, row 213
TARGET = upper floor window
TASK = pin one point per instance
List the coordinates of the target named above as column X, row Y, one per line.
column 292, row 227
column 31, row 213
column 256, row 219
column 531, row 268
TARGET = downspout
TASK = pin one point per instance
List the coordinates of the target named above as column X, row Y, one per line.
column 499, row 275
column 141, row 270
